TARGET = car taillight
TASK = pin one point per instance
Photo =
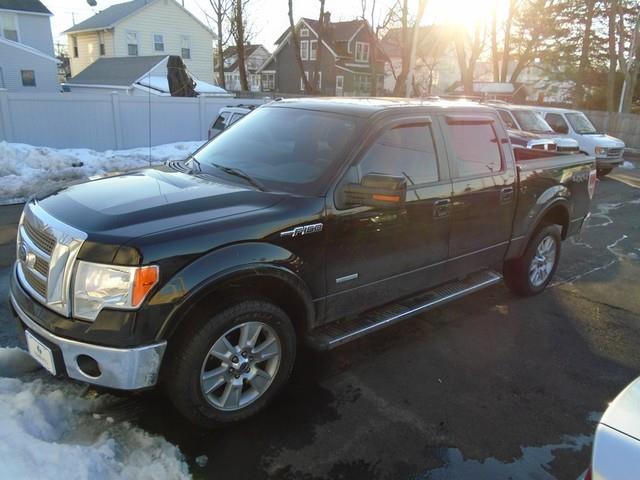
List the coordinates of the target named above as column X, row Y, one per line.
column 593, row 178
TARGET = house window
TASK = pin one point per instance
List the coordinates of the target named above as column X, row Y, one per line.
column 9, row 27
column 75, row 46
column 339, row 84
column 268, row 81
column 313, row 49
column 185, row 52
column 304, row 49
column 362, row 84
column 306, row 74
column 255, row 82
column 362, row 52
column 101, row 43
column 304, row 32
column 28, row 78
column 158, row 42
column 319, row 81
column 132, row 44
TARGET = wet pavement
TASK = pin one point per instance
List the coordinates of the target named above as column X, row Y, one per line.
column 491, row 386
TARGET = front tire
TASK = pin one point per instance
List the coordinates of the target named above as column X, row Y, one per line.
column 227, row 367
column 532, row 272
column 604, row 171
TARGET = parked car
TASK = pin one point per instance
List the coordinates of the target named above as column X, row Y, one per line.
column 524, row 118
column 227, row 116
column 616, row 446
column 310, row 220
column 607, row 150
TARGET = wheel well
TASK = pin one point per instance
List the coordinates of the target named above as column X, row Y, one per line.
column 273, row 288
column 557, row 215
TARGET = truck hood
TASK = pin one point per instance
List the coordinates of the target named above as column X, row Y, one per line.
column 603, row 140
column 149, row 201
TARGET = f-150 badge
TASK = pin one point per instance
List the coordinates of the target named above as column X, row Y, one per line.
column 303, row 230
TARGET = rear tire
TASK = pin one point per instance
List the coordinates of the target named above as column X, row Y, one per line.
column 604, row 171
column 224, row 351
column 532, row 272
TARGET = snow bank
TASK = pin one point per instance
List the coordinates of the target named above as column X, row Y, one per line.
column 49, row 429
column 627, row 165
column 25, row 169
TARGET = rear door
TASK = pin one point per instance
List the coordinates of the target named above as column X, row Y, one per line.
column 379, row 254
column 483, row 181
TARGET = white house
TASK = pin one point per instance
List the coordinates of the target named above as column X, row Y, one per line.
column 255, row 56
column 27, row 62
column 142, row 28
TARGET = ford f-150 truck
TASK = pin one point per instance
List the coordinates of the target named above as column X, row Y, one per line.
column 315, row 220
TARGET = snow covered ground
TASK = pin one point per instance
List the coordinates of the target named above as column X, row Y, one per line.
column 25, row 169
column 53, row 429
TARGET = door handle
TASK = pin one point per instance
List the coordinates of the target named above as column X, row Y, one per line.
column 506, row 195
column 441, row 208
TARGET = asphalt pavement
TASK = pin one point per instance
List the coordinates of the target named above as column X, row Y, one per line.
column 492, row 386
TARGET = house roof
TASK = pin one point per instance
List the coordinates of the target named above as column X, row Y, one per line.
column 335, row 33
column 233, row 51
column 34, row 6
column 109, row 16
column 116, row 71
column 27, row 49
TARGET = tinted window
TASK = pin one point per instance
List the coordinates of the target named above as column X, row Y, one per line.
column 221, row 121
column 286, row 149
column 406, row 151
column 506, row 118
column 476, row 147
column 235, row 118
column 556, row 122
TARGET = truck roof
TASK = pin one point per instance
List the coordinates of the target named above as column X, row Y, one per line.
column 556, row 110
column 367, row 106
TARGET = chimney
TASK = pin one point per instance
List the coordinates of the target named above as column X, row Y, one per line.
column 326, row 19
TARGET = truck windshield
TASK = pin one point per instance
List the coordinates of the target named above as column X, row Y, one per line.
column 532, row 122
column 283, row 149
column 581, row 123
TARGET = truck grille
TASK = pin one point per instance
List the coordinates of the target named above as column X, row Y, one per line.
column 46, row 251
column 614, row 152
column 568, row 149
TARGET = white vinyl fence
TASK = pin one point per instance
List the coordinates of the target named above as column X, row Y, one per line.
column 109, row 121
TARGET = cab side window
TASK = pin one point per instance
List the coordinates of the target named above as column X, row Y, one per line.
column 556, row 122
column 221, row 121
column 404, row 151
column 477, row 148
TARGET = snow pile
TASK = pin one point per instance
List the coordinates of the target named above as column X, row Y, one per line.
column 25, row 169
column 627, row 165
column 160, row 83
column 49, row 429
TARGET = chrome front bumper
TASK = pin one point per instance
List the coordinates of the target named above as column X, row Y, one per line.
column 120, row 368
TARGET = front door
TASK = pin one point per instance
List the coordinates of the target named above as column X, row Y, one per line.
column 483, row 193
column 339, row 85
column 378, row 254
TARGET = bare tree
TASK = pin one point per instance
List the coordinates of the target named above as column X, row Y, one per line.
column 308, row 88
column 377, row 30
column 613, row 55
column 221, row 10
column 405, row 49
column 238, row 27
column 585, row 52
column 468, row 50
column 409, row 82
column 494, row 45
column 506, row 49
column 630, row 66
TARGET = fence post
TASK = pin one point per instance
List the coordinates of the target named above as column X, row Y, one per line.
column 202, row 108
column 6, row 128
column 117, row 120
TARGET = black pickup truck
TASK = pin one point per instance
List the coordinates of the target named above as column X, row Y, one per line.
column 315, row 220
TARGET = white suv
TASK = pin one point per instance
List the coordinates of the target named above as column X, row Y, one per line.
column 607, row 150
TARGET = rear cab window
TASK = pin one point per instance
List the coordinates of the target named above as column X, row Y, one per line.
column 476, row 146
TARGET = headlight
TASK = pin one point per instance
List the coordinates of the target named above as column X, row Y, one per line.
column 600, row 151
column 97, row 286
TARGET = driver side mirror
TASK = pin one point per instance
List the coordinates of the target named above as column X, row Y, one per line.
column 377, row 190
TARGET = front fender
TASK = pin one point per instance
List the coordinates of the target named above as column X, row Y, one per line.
column 233, row 262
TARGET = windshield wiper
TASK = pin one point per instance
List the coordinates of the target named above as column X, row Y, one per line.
column 239, row 173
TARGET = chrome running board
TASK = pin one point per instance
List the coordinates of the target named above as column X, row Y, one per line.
column 336, row 333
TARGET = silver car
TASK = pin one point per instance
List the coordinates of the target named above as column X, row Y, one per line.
column 616, row 447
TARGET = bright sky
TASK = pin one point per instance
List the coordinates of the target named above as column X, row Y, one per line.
column 269, row 17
